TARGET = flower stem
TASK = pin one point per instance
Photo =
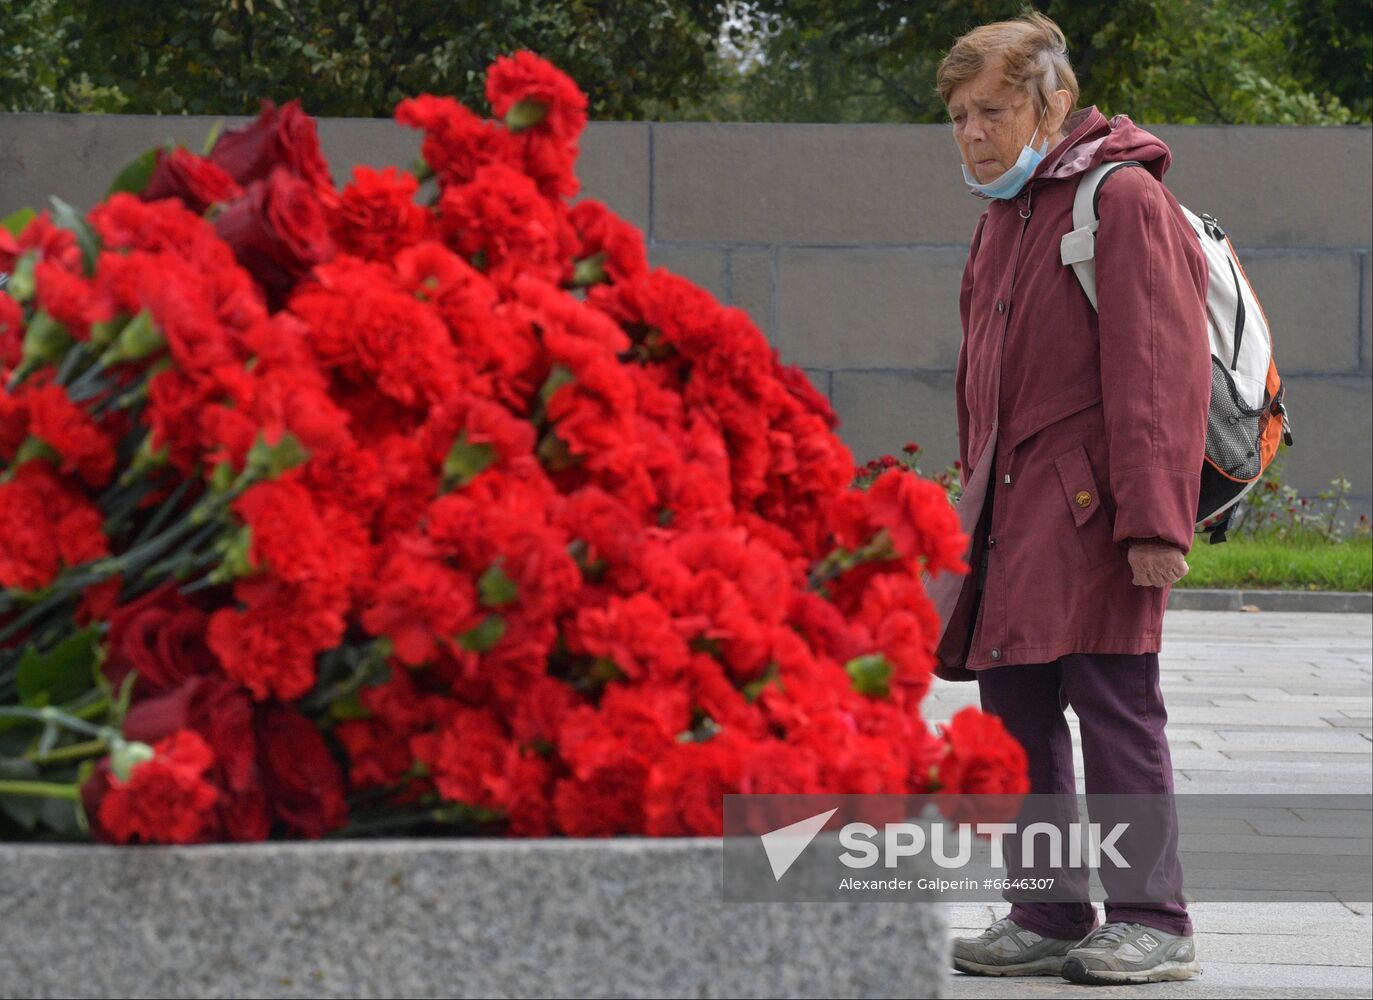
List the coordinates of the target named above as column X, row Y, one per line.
column 44, row 789
column 93, row 710
column 48, row 714
column 74, row 751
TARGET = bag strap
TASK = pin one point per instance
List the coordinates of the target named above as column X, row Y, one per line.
column 1078, row 248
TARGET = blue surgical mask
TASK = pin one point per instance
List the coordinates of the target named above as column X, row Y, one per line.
column 1008, row 185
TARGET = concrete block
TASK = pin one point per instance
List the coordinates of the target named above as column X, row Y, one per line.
column 809, row 184
column 703, row 266
column 375, row 142
column 1365, row 313
column 75, row 157
column 440, row 918
column 1312, row 303
column 613, row 166
column 1287, row 203
column 822, row 380
column 750, row 280
column 880, row 411
column 1332, row 423
column 869, row 308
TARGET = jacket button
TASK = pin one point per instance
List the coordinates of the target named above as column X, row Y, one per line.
column 1001, row 306
column 996, row 653
column 1084, row 499
column 991, row 542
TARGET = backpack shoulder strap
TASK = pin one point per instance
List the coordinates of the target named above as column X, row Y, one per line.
column 1078, row 247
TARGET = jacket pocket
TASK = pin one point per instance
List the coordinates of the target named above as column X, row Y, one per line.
column 1083, row 497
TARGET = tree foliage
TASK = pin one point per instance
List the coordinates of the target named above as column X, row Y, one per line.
column 1225, row 61
column 1230, row 61
column 357, row 58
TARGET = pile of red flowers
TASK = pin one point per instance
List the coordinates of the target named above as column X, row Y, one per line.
column 425, row 501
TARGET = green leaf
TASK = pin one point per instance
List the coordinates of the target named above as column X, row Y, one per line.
column 16, row 221
column 558, row 376
column 136, row 174
column 235, row 549
column 589, row 270
column 484, row 636
column 525, row 114
column 45, row 340
column 495, row 588
column 139, row 338
column 755, row 687
column 213, row 137
column 271, row 460
column 871, row 674
column 26, row 810
column 69, row 218
column 464, row 461
column 60, row 675
column 21, row 285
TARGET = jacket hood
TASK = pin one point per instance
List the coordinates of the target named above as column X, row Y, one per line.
column 1093, row 140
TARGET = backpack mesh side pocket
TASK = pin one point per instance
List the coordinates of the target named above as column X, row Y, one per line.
column 1233, row 460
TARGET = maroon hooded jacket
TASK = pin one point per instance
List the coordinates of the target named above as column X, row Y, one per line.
column 1086, row 427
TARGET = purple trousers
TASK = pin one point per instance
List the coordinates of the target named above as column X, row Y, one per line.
column 1124, row 752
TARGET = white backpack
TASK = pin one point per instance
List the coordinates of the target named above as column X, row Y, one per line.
column 1242, row 431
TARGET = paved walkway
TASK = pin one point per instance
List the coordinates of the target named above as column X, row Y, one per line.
column 1256, row 702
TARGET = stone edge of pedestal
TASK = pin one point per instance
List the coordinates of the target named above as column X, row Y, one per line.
column 430, row 917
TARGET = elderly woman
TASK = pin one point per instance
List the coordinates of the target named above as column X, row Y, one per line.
column 1082, row 433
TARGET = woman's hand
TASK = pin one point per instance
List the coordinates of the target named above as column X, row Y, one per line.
column 1157, row 564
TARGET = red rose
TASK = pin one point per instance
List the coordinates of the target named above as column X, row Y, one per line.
column 303, row 782
column 278, row 232
column 162, row 636
column 198, row 182
column 276, row 138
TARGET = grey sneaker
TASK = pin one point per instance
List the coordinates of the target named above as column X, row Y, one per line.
column 1007, row 949
column 1131, row 953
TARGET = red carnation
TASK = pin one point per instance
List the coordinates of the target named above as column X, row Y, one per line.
column 542, row 96
column 917, row 514
column 222, row 713
column 610, row 246
column 377, row 216
column 982, row 757
column 166, row 800
column 47, row 525
column 82, row 447
column 457, row 141
column 501, row 221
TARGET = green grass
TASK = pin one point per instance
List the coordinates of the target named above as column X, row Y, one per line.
column 1260, row 563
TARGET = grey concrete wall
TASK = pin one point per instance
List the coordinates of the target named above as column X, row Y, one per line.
column 461, row 917
column 845, row 244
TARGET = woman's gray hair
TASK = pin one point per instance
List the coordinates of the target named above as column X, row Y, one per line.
column 1033, row 51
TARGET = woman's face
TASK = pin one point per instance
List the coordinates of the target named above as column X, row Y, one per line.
column 992, row 122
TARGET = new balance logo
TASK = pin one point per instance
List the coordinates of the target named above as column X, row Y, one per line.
column 1147, row 941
